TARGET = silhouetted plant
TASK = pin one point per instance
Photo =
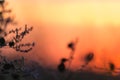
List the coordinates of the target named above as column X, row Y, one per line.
column 15, row 42
column 111, row 66
column 110, row 69
column 15, row 66
column 19, row 33
column 72, row 46
column 61, row 66
column 5, row 19
column 88, row 58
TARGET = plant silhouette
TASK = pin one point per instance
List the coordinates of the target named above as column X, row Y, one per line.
column 111, row 66
column 20, row 33
column 72, row 46
column 88, row 58
column 16, row 67
column 61, row 66
column 5, row 20
column 111, row 69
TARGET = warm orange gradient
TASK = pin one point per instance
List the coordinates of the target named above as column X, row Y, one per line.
column 56, row 23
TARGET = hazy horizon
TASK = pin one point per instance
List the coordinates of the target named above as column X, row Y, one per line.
column 95, row 24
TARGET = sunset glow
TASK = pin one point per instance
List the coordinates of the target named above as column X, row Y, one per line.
column 94, row 23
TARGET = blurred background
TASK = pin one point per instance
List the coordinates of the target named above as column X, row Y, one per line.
column 57, row 22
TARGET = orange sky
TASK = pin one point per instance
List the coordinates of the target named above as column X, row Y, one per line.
column 56, row 22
